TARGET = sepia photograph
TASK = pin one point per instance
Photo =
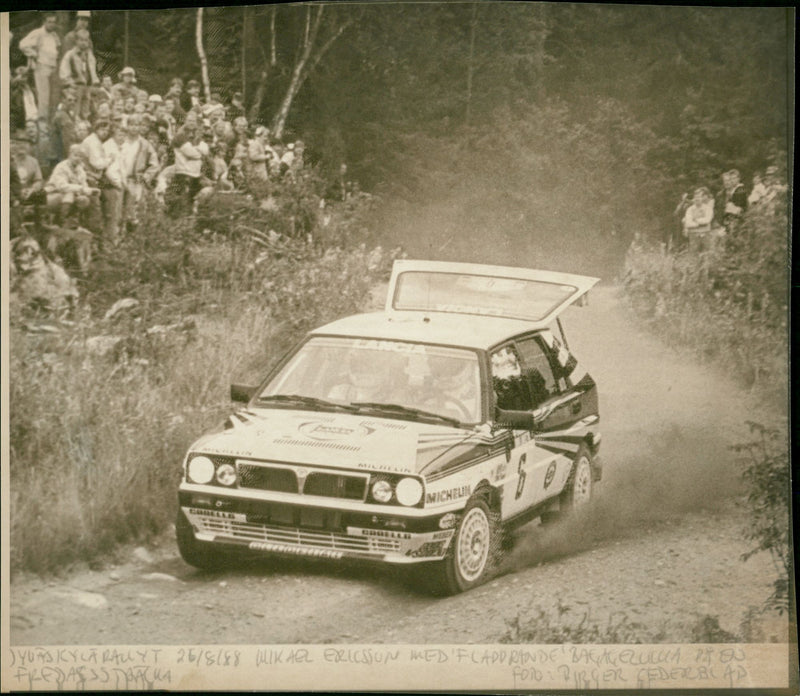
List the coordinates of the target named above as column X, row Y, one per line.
column 380, row 346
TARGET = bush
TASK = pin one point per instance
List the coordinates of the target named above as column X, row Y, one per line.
column 97, row 440
column 766, row 473
column 729, row 305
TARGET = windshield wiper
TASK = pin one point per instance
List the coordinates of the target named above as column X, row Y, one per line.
column 405, row 410
column 306, row 401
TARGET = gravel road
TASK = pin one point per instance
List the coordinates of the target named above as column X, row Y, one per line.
column 660, row 549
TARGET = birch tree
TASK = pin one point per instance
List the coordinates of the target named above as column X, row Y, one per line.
column 321, row 30
column 202, row 53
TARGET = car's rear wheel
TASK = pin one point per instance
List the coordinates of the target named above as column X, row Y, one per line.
column 579, row 488
column 200, row 554
column 473, row 554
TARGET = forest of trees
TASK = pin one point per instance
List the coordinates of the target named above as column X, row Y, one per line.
column 703, row 88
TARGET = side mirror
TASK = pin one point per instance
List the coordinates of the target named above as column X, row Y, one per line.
column 517, row 420
column 242, row 393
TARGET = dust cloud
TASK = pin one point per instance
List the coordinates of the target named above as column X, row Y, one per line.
column 673, row 473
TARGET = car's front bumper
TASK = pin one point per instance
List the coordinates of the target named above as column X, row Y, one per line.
column 314, row 531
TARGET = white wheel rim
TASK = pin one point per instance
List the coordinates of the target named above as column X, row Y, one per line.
column 582, row 488
column 473, row 544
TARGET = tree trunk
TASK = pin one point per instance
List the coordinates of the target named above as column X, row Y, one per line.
column 201, row 52
column 473, row 24
column 305, row 64
column 244, row 53
column 126, row 40
column 255, row 109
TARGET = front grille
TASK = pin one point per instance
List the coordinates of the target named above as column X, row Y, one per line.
column 267, row 478
column 336, row 485
column 294, row 536
column 284, row 479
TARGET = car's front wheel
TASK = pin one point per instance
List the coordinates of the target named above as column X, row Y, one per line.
column 200, row 554
column 473, row 554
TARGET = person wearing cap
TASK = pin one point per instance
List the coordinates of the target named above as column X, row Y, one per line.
column 126, row 87
column 79, row 69
column 153, row 101
column 236, row 107
column 81, row 24
column 42, row 47
column 67, row 189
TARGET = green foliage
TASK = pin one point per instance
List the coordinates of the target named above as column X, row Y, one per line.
column 97, row 435
column 729, row 305
column 766, row 473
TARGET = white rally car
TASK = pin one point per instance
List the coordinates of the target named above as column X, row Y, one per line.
column 416, row 435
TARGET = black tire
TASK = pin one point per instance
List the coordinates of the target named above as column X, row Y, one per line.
column 580, row 485
column 474, row 551
column 199, row 554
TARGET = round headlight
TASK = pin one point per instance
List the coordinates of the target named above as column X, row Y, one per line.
column 409, row 491
column 382, row 491
column 201, row 470
column 226, row 474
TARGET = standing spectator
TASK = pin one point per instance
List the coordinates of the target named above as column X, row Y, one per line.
column 758, row 191
column 174, row 95
column 68, row 191
column 189, row 149
column 112, row 185
column 26, row 167
column 23, row 107
column 698, row 220
column 126, row 87
column 153, row 102
column 173, row 110
column 139, row 163
column 105, row 90
column 42, row 46
column 81, row 24
column 236, row 107
column 190, row 99
column 259, row 156
column 79, row 70
column 733, row 201
column 64, row 122
column 97, row 160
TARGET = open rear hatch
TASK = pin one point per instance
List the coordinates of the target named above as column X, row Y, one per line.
column 477, row 289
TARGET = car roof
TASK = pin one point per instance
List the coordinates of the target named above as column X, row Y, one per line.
column 477, row 332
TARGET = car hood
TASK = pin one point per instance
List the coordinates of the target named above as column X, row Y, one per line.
column 343, row 440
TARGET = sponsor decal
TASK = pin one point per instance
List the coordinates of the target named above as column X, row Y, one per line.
column 439, row 536
column 385, row 533
column 297, row 550
column 499, row 471
column 382, row 467
column 447, row 495
column 550, row 474
column 320, row 430
column 212, row 513
column 391, row 346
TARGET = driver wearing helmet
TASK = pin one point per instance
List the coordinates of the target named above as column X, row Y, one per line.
column 365, row 378
column 453, row 387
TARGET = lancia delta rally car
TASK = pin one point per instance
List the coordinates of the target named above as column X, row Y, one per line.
column 416, row 435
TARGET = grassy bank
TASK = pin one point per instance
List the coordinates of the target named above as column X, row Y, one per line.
column 728, row 306
column 97, row 435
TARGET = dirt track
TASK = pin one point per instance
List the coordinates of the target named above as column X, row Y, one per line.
column 662, row 544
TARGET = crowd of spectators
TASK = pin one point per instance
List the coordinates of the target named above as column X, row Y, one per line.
column 705, row 221
column 86, row 151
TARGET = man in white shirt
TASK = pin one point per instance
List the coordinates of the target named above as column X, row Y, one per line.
column 41, row 46
column 139, row 163
column 68, row 190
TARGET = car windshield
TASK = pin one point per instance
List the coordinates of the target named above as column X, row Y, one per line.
column 396, row 377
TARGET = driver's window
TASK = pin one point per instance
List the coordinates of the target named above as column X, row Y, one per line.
column 537, row 370
column 510, row 388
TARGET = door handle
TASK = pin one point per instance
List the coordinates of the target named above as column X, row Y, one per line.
column 576, row 406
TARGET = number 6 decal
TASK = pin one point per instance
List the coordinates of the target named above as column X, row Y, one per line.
column 522, row 476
